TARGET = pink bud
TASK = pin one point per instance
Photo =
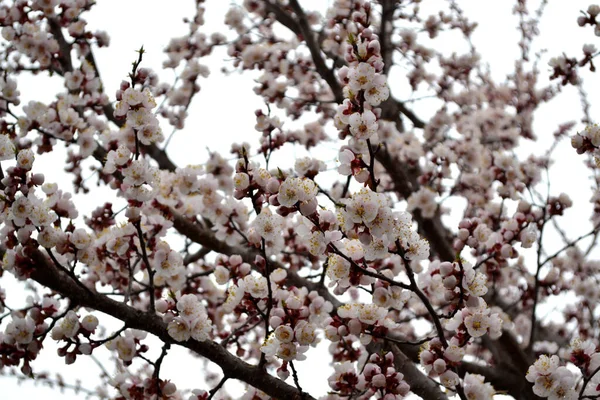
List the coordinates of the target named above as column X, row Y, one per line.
column 38, row 179
column 169, row 389
column 446, row 268
column 463, row 234
column 354, row 326
column 161, row 306
column 439, row 365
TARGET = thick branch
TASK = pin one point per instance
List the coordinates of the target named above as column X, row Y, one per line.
column 385, row 32
column 315, row 52
column 502, row 379
column 66, row 64
column 47, row 275
column 204, row 237
column 419, row 383
column 404, row 178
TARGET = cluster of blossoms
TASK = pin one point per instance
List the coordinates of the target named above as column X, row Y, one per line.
column 168, row 268
column 128, row 345
column 476, row 388
column 590, row 18
column 294, row 317
column 475, row 320
column 439, row 360
column 136, row 106
column 365, row 88
column 21, row 341
column 138, row 180
column 499, row 246
column 187, row 49
column 355, row 320
column 72, row 329
column 588, row 140
column 552, row 380
column 142, row 384
column 285, row 259
column 187, row 319
column 378, row 377
column 30, row 39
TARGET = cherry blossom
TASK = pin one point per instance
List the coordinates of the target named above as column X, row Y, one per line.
column 394, row 214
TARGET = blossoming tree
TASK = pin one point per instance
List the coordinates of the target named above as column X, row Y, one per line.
column 249, row 264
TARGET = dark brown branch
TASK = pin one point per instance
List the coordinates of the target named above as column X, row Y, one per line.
column 385, row 32
column 315, row 52
column 420, row 384
column 47, row 275
column 64, row 59
column 404, row 179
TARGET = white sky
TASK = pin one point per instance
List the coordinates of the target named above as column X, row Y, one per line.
column 223, row 112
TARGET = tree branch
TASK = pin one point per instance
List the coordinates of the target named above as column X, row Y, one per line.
column 47, row 275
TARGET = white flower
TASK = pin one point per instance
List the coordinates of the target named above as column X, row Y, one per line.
column 417, row 248
column 241, row 180
column 69, row 325
column 363, row 126
column 345, row 158
column 449, row 379
column 293, row 190
column 382, row 222
column 7, row 148
column 343, row 374
column 377, row 248
column 20, row 330
column 348, row 310
column 190, row 308
column 132, row 96
column 423, row 199
column 474, row 282
column 268, row 225
column 528, row 236
column 137, row 173
column 21, row 208
column 477, row 324
column 25, row 159
column 476, row 389
column 305, row 332
column 126, row 348
column 140, row 117
column 270, row 345
column 316, row 243
column 256, row 286
column 371, row 313
column 150, row 132
column 381, row 297
column 167, row 262
column 284, row 333
column 361, row 76
column 179, row 329
column 201, row 328
column 234, row 297
column 80, row 238
column 49, row 236
column 377, row 92
column 278, row 275
column 354, row 249
column 89, row 322
column 454, row 352
column 221, row 274
column 337, row 268
column 544, row 365
column 287, row 351
column 364, row 205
